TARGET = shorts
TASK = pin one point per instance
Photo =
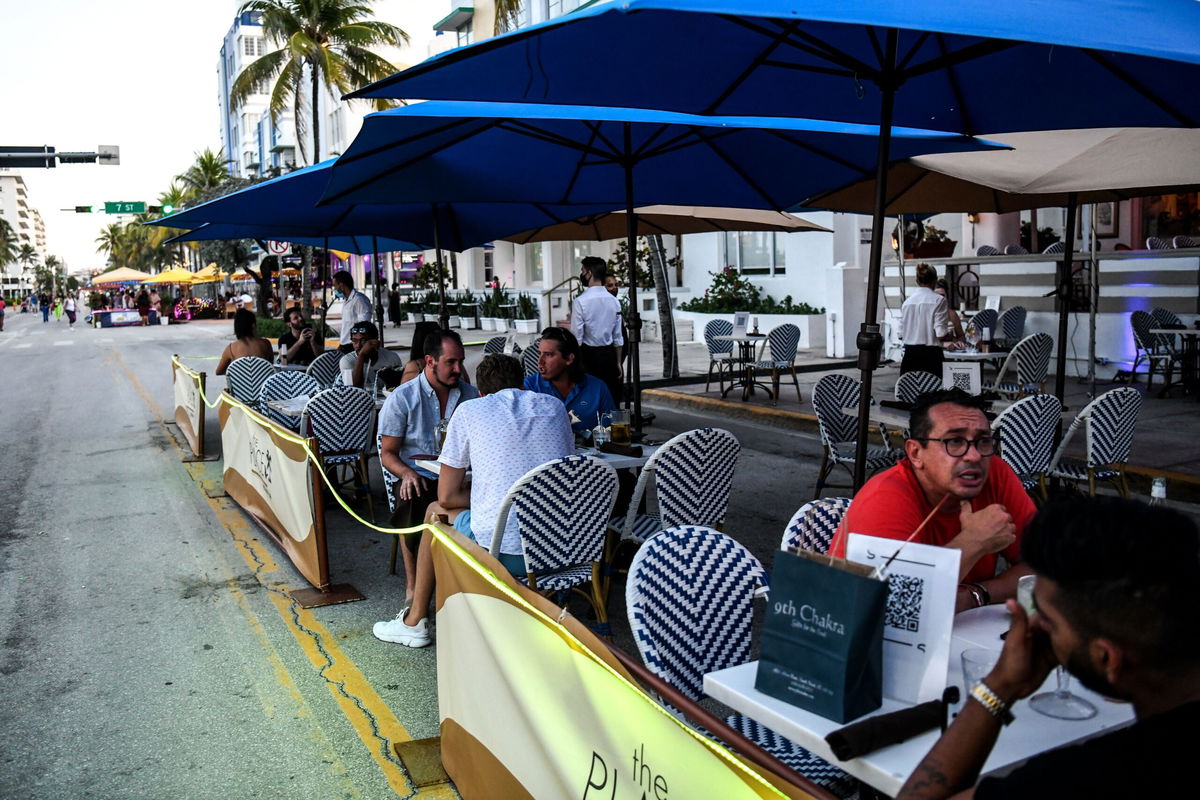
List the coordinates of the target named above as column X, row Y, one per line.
column 514, row 564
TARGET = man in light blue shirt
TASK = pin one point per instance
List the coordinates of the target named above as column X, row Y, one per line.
column 408, row 427
column 560, row 374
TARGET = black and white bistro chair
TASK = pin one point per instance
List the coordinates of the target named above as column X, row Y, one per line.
column 494, row 345
column 341, row 419
column 690, row 601
column 1057, row 247
column 1109, row 422
column 1030, row 359
column 1155, row 243
column 987, row 250
column 782, row 342
column 1156, row 350
column 1185, row 241
column 1015, row 250
column 692, row 475
column 1010, row 326
column 911, row 385
column 562, row 509
column 325, row 367
column 720, row 353
column 245, row 376
column 529, row 357
column 832, row 395
column 985, row 318
column 284, row 386
column 814, row 525
column 1026, row 432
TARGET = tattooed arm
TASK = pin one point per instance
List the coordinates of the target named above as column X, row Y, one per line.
column 952, row 766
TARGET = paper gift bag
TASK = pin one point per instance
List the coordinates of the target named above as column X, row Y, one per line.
column 823, row 636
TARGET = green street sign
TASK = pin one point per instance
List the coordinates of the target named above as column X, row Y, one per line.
column 125, row 208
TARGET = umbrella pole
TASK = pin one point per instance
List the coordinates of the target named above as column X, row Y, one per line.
column 444, row 313
column 635, row 318
column 1064, row 297
column 375, row 286
column 869, row 341
column 1093, row 302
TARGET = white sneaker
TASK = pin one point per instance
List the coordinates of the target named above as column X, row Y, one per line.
column 394, row 630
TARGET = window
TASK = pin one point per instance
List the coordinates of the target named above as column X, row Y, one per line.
column 489, row 264
column 464, row 33
column 755, row 252
column 556, row 8
column 536, row 262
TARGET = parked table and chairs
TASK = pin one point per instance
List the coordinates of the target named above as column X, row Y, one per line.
column 1109, row 423
column 284, row 391
column 782, row 342
column 747, row 343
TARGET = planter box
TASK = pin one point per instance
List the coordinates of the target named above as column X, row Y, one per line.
column 487, row 324
column 498, row 324
column 812, row 326
column 453, row 322
column 527, row 325
column 932, row 250
column 468, row 323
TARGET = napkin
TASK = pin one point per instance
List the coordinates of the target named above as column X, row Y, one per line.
column 881, row 730
column 632, row 450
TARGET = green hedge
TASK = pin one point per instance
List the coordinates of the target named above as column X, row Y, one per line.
column 272, row 328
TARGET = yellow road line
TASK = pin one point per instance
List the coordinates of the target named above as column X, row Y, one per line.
column 377, row 727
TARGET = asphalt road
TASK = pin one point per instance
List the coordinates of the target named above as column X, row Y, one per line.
column 148, row 646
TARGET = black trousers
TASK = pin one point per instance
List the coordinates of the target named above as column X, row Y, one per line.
column 602, row 363
column 924, row 357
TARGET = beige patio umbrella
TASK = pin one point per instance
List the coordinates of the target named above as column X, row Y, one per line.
column 668, row 220
column 1099, row 165
column 121, row 275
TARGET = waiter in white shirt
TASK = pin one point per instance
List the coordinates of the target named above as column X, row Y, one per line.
column 596, row 323
column 356, row 307
column 924, row 325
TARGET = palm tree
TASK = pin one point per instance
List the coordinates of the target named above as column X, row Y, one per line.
column 111, row 241
column 326, row 42
column 9, row 252
column 52, row 265
column 508, row 15
column 209, row 171
column 176, row 196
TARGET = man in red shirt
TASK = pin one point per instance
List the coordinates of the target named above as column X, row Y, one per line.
column 950, row 465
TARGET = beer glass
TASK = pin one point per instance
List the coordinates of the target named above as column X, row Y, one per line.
column 618, row 425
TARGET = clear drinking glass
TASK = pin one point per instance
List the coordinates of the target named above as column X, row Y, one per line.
column 971, row 334
column 1061, row 703
column 977, row 662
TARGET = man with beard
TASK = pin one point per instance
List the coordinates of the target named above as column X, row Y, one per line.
column 951, row 475
column 1115, row 604
column 360, row 367
column 408, row 427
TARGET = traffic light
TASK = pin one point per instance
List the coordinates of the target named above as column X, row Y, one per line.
column 167, row 209
column 83, row 209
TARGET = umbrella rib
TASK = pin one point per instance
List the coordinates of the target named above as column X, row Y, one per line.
column 705, row 140
column 969, row 53
column 834, row 157
column 763, row 56
column 1153, row 97
column 966, row 126
column 811, row 45
column 384, row 172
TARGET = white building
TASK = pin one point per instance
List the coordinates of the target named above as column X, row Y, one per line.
column 26, row 222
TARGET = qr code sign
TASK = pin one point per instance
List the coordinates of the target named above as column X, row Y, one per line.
column 962, row 380
column 904, row 603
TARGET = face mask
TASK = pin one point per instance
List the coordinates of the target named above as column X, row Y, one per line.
column 338, row 294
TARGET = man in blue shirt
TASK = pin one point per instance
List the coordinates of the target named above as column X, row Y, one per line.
column 560, row 373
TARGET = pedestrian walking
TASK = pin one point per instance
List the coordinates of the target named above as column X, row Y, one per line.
column 69, row 307
column 394, row 305
column 58, row 309
column 143, row 306
column 1, row 314
column 45, row 304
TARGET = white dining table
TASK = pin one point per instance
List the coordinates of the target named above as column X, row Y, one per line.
column 963, row 355
column 294, row 406
column 887, row 769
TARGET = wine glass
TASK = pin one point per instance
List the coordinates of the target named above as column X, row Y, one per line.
column 972, row 336
column 1060, row 703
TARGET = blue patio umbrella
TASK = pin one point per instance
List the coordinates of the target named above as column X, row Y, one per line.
column 285, row 208
column 492, row 152
column 970, row 66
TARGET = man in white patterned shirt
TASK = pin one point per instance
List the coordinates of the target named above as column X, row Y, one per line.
column 500, row 437
column 596, row 323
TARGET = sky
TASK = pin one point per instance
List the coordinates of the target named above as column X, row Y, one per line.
column 140, row 74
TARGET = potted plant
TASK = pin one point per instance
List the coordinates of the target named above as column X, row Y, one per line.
column 498, row 300
column 452, row 311
column 527, row 314
column 935, row 243
column 416, row 306
column 468, row 310
column 487, row 314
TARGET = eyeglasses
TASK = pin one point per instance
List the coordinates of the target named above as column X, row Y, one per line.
column 957, row 446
